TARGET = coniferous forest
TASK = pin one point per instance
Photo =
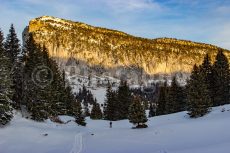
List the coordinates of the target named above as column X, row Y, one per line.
column 31, row 81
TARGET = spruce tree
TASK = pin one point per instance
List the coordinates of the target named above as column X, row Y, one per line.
column 85, row 96
column 182, row 99
column 17, row 85
column 137, row 114
column 64, row 97
column 45, row 91
column 207, row 71
column 111, row 105
column 173, row 99
column 36, row 91
column 12, row 46
column 176, row 98
column 66, row 100
column 5, row 86
column 29, row 50
column 12, row 49
column 221, row 80
column 124, row 100
column 39, row 110
column 78, row 114
column 199, row 101
column 96, row 112
column 161, row 102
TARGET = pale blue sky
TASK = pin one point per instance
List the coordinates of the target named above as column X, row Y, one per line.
column 197, row 20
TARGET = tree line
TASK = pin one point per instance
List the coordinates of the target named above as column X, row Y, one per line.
column 30, row 78
column 209, row 85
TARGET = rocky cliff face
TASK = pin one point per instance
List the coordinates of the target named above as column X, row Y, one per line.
column 111, row 52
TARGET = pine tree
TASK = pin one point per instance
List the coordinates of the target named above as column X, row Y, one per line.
column 199, row 101
column 123, row 99
column 17, row 86
column 29, row 50
column 78, row 114
column 12, row 49
column 43, row 87
column 39, row 111
column 176, row 98
column 85, row 96
column 111, row 105
column 207, row 71
column 173, row 99
column 5, row 86
column 96, row 112
column 137, row 114
column 161, row 102
column 182, row 99
column 36, row 90
column 221, row 80
column 64, row 97
column 12, row 46
column 66, row 100
column 46, row 93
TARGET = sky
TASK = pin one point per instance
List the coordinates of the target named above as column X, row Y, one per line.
column 206, row 21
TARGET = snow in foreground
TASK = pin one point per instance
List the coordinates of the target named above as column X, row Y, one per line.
column 175, row 133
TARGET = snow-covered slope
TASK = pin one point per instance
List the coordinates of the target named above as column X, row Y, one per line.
column 98, row 89
column 98, row 84
column 174, row 133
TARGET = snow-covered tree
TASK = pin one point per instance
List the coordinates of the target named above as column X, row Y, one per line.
column 45, row 92
column 5, row 86
column 12, row 46
column 12, row 49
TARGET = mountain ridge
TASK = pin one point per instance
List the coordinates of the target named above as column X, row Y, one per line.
column 113, row 50
column 121, row 32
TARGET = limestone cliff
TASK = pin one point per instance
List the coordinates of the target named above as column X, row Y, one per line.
column 111, row 49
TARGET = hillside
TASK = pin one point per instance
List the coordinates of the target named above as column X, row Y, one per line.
column 114, row 53
column 174, row 133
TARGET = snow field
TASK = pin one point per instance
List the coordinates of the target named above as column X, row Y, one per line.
column 174, row 133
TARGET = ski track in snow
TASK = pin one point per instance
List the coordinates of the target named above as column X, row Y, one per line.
column 78, row 144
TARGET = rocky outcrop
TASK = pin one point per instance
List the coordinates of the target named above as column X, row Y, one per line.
column 113, row 51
